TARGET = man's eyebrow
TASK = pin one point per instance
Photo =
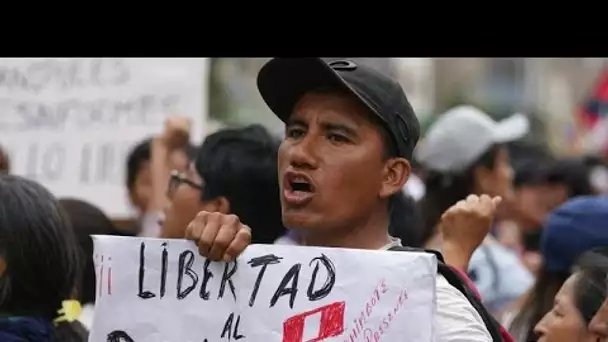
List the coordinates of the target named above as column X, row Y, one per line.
column 346, row 129
column 295, row 122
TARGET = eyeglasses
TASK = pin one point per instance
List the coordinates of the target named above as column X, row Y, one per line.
column 177, row 178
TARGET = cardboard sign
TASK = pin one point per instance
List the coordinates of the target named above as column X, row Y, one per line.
column 155, row 290
column 69, row 123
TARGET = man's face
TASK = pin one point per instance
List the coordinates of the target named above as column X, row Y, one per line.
column 535, row 202
column 332, row 170
column 184, row 203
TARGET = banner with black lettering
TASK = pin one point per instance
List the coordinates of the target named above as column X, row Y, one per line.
column 162, row 290
column 69, row 123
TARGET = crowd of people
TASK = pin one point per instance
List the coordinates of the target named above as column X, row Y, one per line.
column 522, row 234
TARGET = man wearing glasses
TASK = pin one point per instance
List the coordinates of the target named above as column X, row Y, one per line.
column 234, row 172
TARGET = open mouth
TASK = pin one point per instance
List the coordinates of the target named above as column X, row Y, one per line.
column 299, row 183
column 298, row 188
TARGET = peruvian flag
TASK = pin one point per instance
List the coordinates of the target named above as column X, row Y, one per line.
column 594, row 116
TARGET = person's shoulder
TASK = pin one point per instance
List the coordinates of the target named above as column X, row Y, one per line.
column 457, row 320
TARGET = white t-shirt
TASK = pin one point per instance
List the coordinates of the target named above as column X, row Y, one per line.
column 456, row 319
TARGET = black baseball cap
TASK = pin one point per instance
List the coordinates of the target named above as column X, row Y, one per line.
column 283, row 81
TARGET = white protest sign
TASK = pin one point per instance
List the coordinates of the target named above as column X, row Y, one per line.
column 69, row 123
column 155, row 290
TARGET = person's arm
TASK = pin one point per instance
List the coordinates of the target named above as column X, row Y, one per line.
column 464, row 226
column 175, row 136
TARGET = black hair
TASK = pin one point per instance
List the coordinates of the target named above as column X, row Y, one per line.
column 591, row 283
column 41, row 255
column 574, row 173
column 139, row 155
column 86, row 220
column 5, row 163
column 531, row 172
column 136, row 158
column 405, row 221
column 240, row 164
column 443, row 190
column 595, row 160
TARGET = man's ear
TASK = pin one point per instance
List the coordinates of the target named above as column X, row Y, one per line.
column 396, row 173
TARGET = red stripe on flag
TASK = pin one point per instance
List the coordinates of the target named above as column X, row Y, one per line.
column 332, row 323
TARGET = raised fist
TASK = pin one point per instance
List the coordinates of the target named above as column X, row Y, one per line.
column 176, row 133
column 467, row 223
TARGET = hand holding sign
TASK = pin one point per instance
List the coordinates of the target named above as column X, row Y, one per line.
column 219, row 236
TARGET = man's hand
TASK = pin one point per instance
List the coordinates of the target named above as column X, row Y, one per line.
column 464, row 227
column 599, row 323
column 176, row 133
column 219, row 236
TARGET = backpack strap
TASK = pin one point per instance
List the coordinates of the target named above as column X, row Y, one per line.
column 456, row 281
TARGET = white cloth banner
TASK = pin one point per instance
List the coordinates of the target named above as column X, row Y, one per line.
column 157, row 290
column 69, row 123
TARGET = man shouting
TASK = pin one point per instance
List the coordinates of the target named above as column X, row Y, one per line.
column 349, row 136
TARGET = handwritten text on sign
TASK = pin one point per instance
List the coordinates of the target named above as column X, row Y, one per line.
column 157, row 290
column 69, row 123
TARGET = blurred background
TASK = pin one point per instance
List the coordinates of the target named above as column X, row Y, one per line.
column 81, row 150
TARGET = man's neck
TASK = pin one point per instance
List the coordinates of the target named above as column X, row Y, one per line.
column 373, row 234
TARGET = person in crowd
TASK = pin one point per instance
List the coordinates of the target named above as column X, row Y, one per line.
column 577, row 302
column 459, row 163
column 540, row 188
column 350, row 133
column 234, row 172
column 5, row 165
column 149, row 165
column 87, row 220
column 573, row 228
column 39, row 266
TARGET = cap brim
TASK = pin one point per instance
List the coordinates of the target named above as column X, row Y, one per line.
column 512, row 128
column 283, row 81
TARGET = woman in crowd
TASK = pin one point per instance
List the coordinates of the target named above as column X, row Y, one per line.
column 39, row 265
column 540, row 187
column 573, row 228
column 87, row 220
column 578, row 300
column 459, row 163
